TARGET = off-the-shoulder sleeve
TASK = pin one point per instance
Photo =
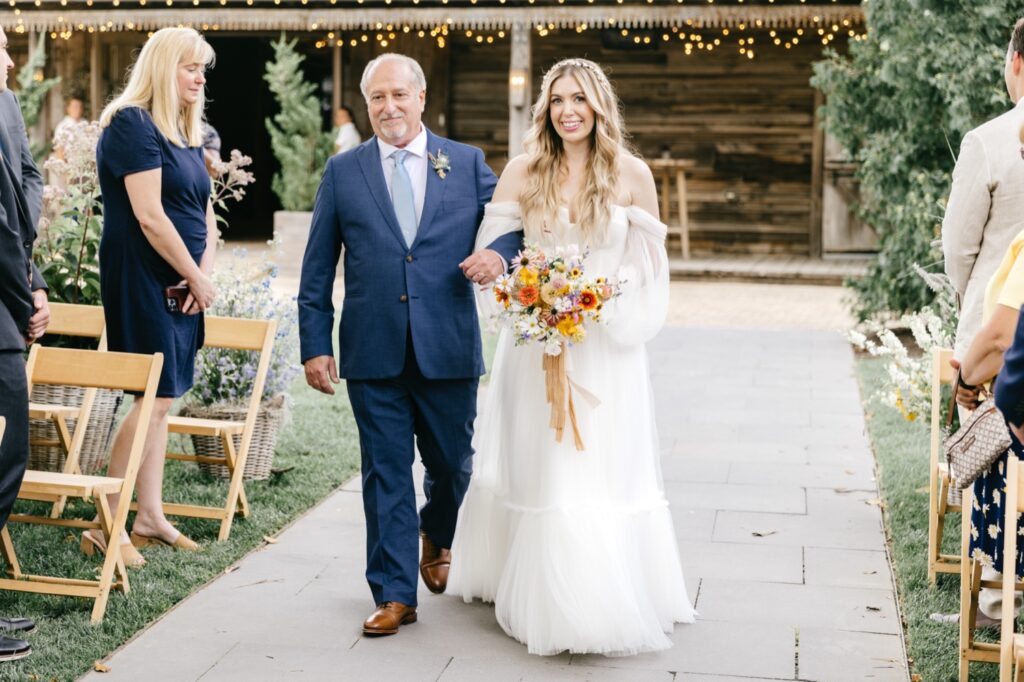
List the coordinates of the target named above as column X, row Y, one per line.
column 638, row 313
column 131, row 143
column 500, row 218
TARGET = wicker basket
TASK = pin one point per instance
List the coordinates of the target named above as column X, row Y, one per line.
column 99, row 431
column 261, row 448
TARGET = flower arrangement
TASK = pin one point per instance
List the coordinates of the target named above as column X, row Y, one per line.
column 67, row 252
column 546, row 299
column 229, row 181
column 225, row 376
column 909, row 374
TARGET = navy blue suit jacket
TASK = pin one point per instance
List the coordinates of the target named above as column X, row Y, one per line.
column 391, row 290
column 21, row 189
column 1010, row 385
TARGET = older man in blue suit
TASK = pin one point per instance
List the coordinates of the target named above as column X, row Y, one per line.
column 406, row 205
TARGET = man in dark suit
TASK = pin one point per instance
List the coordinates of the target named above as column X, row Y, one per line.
column 406, row 205
column 23, row 310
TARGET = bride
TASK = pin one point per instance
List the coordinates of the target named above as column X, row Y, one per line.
column 576, row 549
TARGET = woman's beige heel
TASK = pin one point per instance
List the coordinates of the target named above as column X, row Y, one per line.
column 129, row 555
column 181, row 542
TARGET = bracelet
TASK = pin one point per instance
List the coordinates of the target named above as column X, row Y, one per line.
column 963, row 384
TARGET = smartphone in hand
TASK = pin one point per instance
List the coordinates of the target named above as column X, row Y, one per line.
column 175, row 297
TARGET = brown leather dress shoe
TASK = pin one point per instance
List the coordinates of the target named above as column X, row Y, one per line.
column 434, row 565
column 388, row 617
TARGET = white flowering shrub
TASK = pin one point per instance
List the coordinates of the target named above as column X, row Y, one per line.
column 908, row 389
column 224, row 376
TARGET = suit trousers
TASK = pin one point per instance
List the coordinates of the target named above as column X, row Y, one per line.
column 14, row 447
column 392, row 414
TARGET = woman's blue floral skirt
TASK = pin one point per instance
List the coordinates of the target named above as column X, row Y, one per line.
column 988, row 516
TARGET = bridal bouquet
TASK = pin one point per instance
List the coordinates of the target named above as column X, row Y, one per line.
column 547, row 299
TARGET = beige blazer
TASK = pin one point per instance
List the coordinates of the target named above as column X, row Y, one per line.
column 984, row 212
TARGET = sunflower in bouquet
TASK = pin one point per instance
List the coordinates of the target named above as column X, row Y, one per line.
column 548, row 299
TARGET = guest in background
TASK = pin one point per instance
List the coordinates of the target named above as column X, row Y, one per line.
column 74, row 110
column 211, row 149
column 158, row 231
column 346, row 134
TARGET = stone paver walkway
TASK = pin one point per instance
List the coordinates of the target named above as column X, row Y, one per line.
column 770, row 477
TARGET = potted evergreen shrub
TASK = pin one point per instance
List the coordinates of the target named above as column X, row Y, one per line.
column 300, row 145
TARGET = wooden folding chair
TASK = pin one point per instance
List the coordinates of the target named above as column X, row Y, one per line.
column 939, row 478
column 971, row 582
column 237, row 334
column 69, row 319
column 1011, row 644
column 89, row 369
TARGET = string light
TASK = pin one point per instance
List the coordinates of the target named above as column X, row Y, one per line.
column 824, row 31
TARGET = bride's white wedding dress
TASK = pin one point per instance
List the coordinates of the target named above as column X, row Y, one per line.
column 576, row 549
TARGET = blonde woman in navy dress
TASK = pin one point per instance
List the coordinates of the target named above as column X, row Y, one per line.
column 158, row 230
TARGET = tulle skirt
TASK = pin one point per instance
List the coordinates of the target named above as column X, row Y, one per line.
column 576, row 549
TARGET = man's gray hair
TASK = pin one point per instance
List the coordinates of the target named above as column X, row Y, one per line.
column 414, row 68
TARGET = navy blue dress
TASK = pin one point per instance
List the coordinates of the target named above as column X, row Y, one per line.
column 132, row 274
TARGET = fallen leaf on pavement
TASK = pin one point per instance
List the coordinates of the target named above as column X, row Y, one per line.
column 763, row 533
column 875, row 502
column 915, row 678
column 850, row 472
column 230, row 569
column 269, row 540
column 100, row 668
column 873, row 608
column 262, row 582
column 870, row 572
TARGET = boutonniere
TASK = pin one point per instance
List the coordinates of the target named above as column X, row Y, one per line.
column 440, row 163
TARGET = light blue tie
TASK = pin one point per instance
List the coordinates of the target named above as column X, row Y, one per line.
column 403, row 198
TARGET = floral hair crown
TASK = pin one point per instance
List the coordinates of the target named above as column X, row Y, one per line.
column 579, row 64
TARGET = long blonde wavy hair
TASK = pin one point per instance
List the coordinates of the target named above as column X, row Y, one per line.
column 540, row 199
column 153, row 85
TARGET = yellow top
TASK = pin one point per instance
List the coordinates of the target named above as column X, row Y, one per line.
column 1007, row 284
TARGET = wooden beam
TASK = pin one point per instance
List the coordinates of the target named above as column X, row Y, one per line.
column 95, row 98
column 817, row 174
column 520, row 91
column 335, row 80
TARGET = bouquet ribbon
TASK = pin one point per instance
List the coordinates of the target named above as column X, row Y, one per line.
column 559, row 388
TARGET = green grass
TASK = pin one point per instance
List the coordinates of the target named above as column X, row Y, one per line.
column 320, row 442
column 901, row 450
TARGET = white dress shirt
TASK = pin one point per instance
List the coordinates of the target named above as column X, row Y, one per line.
column 415, row 165
column 347, row 138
